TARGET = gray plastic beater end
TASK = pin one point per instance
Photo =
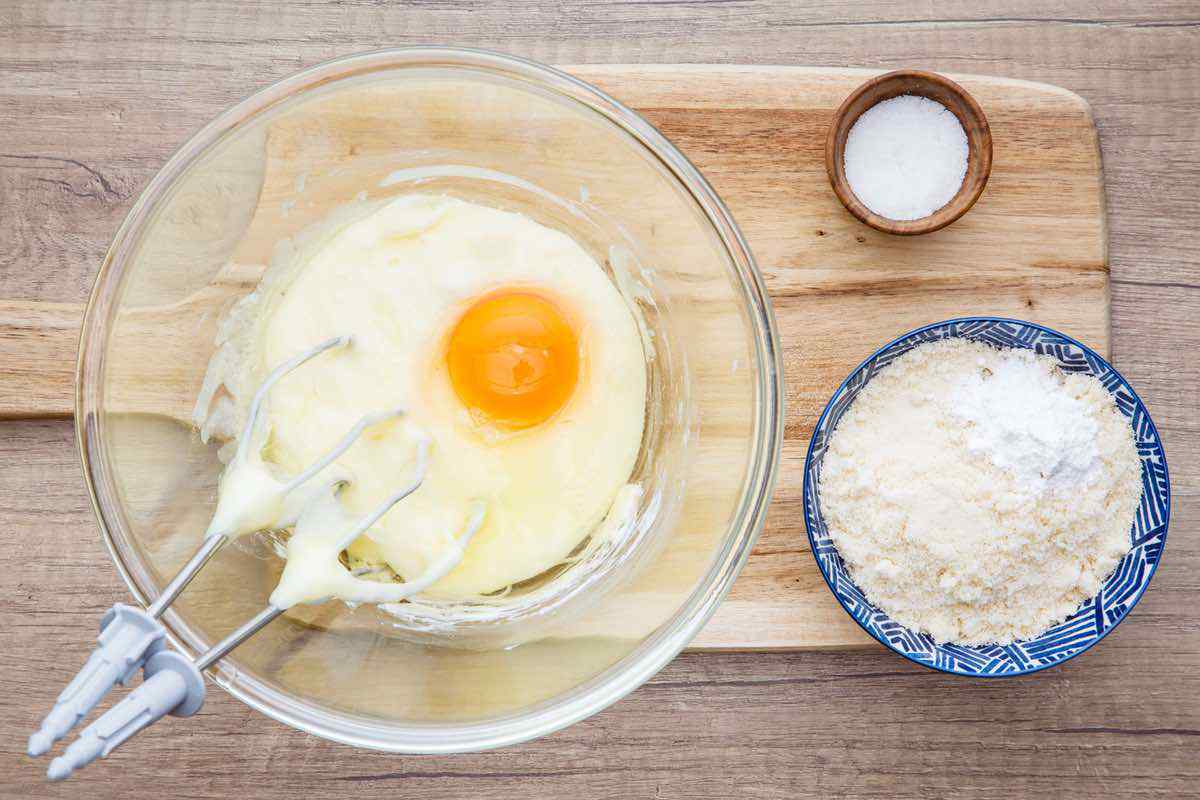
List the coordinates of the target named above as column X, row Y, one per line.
column 173, row 685
column 128, row 636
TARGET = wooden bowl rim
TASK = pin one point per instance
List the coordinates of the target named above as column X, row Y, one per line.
column 966, row 109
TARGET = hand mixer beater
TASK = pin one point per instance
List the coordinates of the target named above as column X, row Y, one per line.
column 252, row 498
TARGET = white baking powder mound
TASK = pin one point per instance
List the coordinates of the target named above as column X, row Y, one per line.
column 906, row 157
column 980, row 494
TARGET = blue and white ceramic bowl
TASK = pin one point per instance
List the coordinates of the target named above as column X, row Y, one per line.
column 1096, row 617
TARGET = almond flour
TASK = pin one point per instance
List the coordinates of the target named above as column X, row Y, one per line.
column 980, row 494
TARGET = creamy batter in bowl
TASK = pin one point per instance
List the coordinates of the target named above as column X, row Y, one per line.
column 435, row 295
column 506, row 135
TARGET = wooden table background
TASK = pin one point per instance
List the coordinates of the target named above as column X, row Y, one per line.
column 95, row 96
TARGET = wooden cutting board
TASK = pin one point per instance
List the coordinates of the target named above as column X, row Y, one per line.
column 1034, row 247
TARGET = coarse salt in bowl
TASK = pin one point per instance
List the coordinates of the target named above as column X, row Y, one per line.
column 906, row 124
column 1096, row 617
column 906, row 157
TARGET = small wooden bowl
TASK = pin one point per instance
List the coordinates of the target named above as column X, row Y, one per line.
column 923, row 84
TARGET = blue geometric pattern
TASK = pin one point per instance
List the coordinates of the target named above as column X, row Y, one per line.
column 1096, row 617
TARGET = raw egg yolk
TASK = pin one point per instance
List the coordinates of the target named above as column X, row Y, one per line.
column 514, row 358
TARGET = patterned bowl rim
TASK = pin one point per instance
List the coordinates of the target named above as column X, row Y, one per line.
column 809, row 494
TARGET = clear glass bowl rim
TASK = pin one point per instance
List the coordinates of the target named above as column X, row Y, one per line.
column 647, row 658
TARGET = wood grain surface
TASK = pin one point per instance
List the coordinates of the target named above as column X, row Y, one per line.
column 1035, row 248
column 94, row 97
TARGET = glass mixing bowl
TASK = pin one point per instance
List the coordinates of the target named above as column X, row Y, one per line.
column 507, row 133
